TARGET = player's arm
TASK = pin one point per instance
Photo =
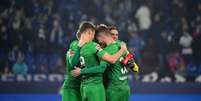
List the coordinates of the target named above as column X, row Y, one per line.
column 69, row 58
column 92, row 70
column 96, row 69
column 112, row 58
column 73, row 60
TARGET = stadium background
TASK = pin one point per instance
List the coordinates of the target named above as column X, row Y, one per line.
column 165, row 36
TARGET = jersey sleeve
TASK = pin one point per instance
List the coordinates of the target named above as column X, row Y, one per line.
column 73, row 54
column 68, row 57
column 99, row 51
column 96, row 69
column 73, row 60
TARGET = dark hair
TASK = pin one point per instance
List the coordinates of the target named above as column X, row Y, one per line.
column 102, row 29
column 78, row 34
column 85, row 25
column 112, row 28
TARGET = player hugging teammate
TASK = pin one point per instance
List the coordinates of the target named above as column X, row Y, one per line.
column 86, row 62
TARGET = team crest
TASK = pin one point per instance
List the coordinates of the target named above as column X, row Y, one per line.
column 71, row 53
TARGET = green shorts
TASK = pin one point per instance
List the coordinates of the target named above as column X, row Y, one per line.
column 70, row 94
column 92, row 92
column 117, row 93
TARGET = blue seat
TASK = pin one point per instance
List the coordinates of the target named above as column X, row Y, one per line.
column 199, row 69
column 41, row 59
column 30, row 61
column 52, row 61
column 193, row 70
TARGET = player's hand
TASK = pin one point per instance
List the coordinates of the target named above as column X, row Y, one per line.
column 76, row 72
column 123, row 46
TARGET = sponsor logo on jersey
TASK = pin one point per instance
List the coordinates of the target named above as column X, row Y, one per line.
column 123, row 78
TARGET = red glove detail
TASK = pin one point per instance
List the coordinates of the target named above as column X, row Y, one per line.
column 125, row 60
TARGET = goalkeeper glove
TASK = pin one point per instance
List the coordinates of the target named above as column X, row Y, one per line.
column 129, row 62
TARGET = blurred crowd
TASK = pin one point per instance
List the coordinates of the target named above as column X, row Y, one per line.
column 165, row 35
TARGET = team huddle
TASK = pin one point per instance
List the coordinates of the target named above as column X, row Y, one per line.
column 98, row 65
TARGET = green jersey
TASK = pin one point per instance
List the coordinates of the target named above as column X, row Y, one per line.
column 117, row 73
column 118, row 87
column 89, row 54
column 71, row 81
